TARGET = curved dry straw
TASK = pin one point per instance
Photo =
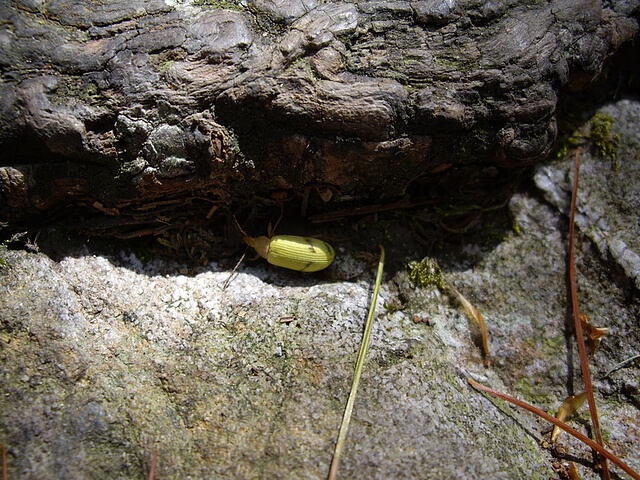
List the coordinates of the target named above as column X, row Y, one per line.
column 364, row 346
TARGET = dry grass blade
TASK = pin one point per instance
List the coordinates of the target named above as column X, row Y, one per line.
column 567, row 410
column 475, row 316
column 549, row 418
column 575, row 308
column 364, row 346
column 233, row 272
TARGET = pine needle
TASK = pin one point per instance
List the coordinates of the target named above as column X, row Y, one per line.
column 570, row 430
column 577, row 323
column 364, row 347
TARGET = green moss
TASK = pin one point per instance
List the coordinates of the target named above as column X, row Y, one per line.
column 533, row 391
column 220, row 4
column 451, row 61
column 597, row 133
column 391, row 308
column 71, row 89
column 426, row 272
column 516, row 227
column 602, row 137
column 551, row 346
column 164, row 66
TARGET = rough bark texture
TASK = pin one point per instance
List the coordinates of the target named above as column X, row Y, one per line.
column 148, row 114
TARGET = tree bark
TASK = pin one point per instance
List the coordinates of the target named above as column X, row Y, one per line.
column 140, row 116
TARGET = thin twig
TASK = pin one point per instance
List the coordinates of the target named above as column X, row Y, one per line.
column 549, row 418
column 621, row 364
column 233, row 272
column 154, row 465
column 350, row 212
column 575, row 309
column 364, row 346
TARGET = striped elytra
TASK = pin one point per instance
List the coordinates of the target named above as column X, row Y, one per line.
column 304, row 254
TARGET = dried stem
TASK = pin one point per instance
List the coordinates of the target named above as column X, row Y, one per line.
column 575, row 310
column 364, row 346
column 549, row 418
column 474, row 315
column 154, row 465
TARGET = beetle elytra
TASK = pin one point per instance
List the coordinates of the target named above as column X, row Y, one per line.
column 303, row 254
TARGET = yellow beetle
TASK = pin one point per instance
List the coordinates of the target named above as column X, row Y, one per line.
column 304, row 254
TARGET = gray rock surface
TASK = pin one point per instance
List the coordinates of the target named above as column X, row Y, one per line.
column 142, row 112
column 109, row 359
column 609, row 197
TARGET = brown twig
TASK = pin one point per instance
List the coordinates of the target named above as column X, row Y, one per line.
column 366, row 210
column 154, row 465
column 575, row 310
column 549, row 418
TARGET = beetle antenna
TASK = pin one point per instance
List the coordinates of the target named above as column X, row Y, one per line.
column 238, row 225
column 279, row 218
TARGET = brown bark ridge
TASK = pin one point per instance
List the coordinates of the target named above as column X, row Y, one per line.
column 140, row 116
